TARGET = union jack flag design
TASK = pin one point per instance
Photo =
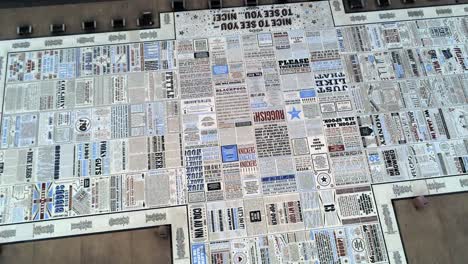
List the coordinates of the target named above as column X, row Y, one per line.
column 42, row 200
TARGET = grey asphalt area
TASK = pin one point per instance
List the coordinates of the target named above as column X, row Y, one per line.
column 142, row 246
column 31, row 3
column 40, row 17
column 103, row 11
column 437, row 233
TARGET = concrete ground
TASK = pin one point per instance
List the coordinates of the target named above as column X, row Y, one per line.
column 40, row 17
column 438, row 234
column 128, row 247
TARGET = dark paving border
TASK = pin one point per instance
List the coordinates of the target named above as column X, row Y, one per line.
column 33, row 3
column 371, row 5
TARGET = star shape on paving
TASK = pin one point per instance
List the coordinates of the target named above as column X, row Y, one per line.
column 294, row 113
column 324, row 179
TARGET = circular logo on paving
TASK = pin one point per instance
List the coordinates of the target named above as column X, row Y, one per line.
column 323, row 179
column 82, row 124
column 444, row 146
column 358, row 244
column 240, row 258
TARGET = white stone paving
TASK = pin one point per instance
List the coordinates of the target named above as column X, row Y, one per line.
column 272, row 134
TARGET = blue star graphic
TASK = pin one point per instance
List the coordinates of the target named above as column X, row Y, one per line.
column 294, row 113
